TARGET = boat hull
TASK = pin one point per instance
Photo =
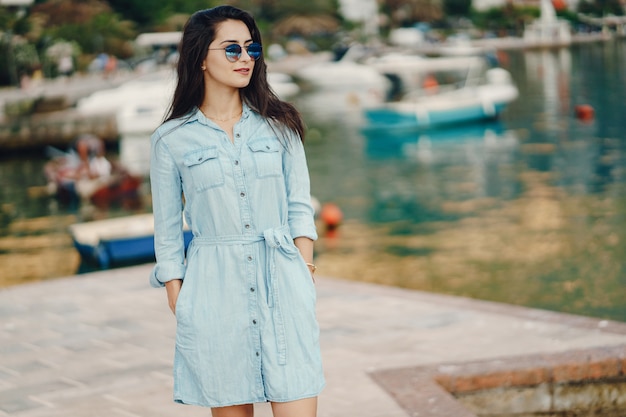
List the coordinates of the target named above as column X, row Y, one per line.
column 384, row 118
column 455, row 106
column 120, row 241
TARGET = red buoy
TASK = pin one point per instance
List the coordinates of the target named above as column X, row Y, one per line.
column 584, row 112
column 331, row 215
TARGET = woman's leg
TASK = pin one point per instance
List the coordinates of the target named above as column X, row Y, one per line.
column 246, row 410
column 306, row 407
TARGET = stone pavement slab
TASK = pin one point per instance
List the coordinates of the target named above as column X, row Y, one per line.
column 101, row 344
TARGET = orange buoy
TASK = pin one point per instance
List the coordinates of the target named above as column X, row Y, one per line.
column 331, row 215
column 584, row 112
column 430, row 84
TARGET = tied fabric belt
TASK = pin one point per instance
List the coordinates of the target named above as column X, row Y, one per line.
column 275, row 239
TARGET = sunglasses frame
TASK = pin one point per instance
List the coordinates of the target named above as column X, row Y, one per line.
column 234, row 54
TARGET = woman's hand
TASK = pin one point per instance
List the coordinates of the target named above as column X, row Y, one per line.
column 173, row 289
column 305, row 246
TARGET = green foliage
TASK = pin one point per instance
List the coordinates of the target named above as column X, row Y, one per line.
column 19, row 57
column 601, row 8
column 457, row 7
column 26, row 57
column 148, row 14
column 11, row 22
column 104, row 32
column 510, row 19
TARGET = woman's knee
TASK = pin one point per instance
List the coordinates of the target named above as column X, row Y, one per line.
column 245, row 410
column 306, row 407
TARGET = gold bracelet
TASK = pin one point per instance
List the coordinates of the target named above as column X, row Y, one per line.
column 312, row 267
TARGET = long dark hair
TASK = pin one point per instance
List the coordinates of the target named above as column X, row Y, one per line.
column 198, row 34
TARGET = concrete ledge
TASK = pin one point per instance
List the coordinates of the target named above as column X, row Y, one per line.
column 429, row 391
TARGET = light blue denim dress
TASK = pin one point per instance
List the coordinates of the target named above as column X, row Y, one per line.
column 246, row 325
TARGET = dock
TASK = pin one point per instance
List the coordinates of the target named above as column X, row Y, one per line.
column 101, row 344
column 59, row 129
column 45, row 114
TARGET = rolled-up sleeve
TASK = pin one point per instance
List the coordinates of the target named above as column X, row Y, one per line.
column 300, row 210
column 167, row 206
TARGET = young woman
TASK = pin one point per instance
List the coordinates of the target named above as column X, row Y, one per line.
column 230, row 159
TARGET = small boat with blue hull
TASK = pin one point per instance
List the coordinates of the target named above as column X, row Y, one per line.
column 118, row 241
column 437, row 105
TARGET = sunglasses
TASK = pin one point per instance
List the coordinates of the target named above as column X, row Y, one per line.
column 233, row 52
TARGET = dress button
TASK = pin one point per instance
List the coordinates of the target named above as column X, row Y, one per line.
column 251, row 289
column 236, row 162
column 247, row 226
column 242, row 194
column 267, row 147
column 237, row 135
column 249, row 258
column 253, row 321
column 257, row 353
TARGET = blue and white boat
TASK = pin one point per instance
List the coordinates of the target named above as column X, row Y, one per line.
column 118, row 241
column 436, row 105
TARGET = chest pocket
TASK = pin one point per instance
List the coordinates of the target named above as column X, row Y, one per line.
column 267, row 157
column 205, row 168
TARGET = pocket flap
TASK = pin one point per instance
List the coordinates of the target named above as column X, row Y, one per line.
column 199, row 156
column 264, row 145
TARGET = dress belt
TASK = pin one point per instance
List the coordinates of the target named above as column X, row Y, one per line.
column 272, row 238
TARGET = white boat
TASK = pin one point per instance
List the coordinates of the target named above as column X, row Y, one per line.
column 347, row 76
column 140, row 104
column 478, row 98
column 282, row 84
column 410, row 70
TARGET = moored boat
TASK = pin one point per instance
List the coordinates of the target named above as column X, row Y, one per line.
column 437, row 105
column 84, row 174
column 122, row 240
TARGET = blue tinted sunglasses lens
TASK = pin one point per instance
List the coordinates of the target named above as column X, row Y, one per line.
column 254, row 50
column 233, row 52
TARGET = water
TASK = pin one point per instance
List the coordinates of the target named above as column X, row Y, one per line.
column 527, row 210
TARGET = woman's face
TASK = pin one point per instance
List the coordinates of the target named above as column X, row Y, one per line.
column 219, row 70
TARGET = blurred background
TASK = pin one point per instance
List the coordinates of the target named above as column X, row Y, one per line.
column 474, row 148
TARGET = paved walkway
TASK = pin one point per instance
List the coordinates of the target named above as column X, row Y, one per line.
column 101, row 344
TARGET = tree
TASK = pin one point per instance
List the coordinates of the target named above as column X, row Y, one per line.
column 408, row 12
column 92, row 24
column 508, row 18
column 457, row 7
column 601, row 8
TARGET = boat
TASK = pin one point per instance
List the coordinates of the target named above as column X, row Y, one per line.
column 118, row 241
column 140, row 105
column 347, row 77
column 409, row 70
column 477, row 97
column 84, row 174
column 282, row 84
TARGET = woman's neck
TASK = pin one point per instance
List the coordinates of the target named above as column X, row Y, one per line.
column 222, row 104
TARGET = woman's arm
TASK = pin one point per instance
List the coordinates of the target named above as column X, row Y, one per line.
column 173, row 289
column 167, row 207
